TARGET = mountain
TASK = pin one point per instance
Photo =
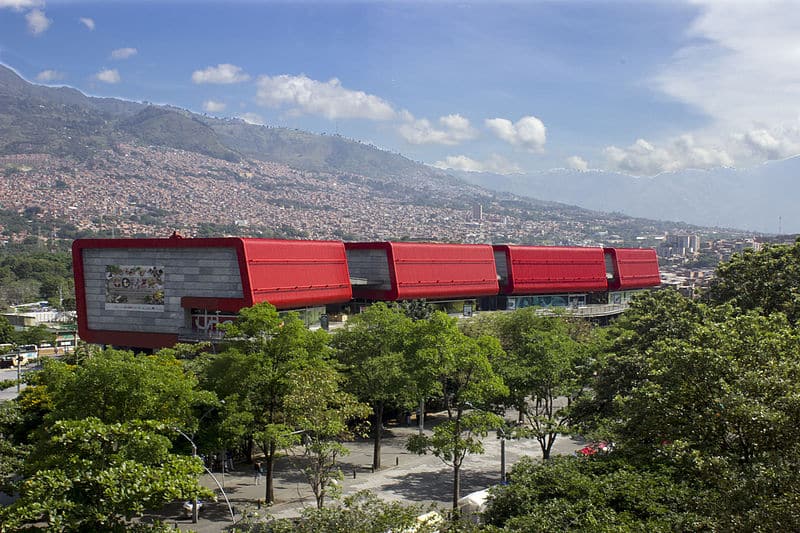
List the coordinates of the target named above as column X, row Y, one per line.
column 761, row 198
column 73, row 165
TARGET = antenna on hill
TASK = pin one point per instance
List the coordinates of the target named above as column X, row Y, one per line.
column 780, row 220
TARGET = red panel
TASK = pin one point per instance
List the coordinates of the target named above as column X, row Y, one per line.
column 634, row 268
column 553, row 269
column 434, row 271
column 292, row 274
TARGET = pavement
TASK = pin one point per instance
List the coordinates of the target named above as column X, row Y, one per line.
column 11, row 373
column 404, row 477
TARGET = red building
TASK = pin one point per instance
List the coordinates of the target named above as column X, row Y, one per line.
column 151, row 293
column 392, row 271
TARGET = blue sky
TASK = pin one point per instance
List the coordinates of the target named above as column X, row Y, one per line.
column 639, row 87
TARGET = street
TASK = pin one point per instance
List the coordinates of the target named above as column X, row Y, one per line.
column 11, row 373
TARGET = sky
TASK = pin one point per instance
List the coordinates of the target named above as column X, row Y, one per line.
column 640, row 87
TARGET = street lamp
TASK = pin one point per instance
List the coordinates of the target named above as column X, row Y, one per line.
column 194, row 503
column 501, row 434
column 20, row 358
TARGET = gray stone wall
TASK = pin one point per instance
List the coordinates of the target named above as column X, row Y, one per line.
column 198, row 272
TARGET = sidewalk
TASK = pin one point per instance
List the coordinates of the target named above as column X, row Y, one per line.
column 405, row 477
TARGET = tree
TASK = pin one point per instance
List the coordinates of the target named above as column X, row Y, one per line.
column 118, row 386
column 470, row 382
column 6, row 331
column 768, row 279
column 372, row 347
column 714, row 395
column 99, row 437
column 91, row 476
column 256, row 375
column 592, row 494
column 35, row 335
column 544, row 367
column 431, row 342
column 322, row 413
column 362, row 512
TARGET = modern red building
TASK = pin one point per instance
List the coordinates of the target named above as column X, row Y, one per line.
column 550, row 269
column 391, row 271
column 632, row 268
column 151, row 293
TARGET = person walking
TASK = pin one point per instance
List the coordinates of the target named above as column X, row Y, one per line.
column 257, row 472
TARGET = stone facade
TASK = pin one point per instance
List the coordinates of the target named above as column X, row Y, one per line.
column 203, row 272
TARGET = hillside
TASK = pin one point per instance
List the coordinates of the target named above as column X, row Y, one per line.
column 80, row 165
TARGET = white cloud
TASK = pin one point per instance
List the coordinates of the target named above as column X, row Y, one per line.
column 495, row 164
column 37, row 21
column 108, row 76
column 89, row 23
column 213, row 107
column 123, row 53
column 328, row 99
column 454, row 130
column 253, row 118
column 19, row 5
column 741, row 66
column 528, row 132
column 577, row 163
column 740, row 70
column 223, row 73
column 644, row 158
column 50, row 75
column 775, row 143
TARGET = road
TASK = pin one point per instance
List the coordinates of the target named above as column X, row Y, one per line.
column 11, row 373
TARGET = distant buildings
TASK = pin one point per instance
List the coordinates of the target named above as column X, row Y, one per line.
column 679, row 244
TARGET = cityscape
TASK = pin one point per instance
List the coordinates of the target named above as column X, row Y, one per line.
column 371, row 267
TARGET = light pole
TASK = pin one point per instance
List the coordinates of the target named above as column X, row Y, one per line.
column 194, row 503
column 502, row 434
column 20, row 358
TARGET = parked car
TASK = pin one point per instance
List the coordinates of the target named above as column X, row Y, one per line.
column 8, row 360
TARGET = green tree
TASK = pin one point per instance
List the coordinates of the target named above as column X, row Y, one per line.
column 256, row 375
column 362, row 512
column 768, row 279
column 35, row 335
column 430, row 345
column 602, row 494
column 714, row 395
column 91, row 476
column 7, row 335
column 544, row 366
column 372, row 347
column 470, row 383
column 323, row 413
column 118, row 386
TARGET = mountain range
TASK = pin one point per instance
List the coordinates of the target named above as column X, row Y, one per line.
column 761, row 198
column 97, row 139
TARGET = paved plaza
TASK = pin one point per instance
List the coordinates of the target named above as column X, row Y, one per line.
column 405, row 477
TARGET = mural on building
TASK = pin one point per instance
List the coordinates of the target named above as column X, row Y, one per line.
column 135, row 288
